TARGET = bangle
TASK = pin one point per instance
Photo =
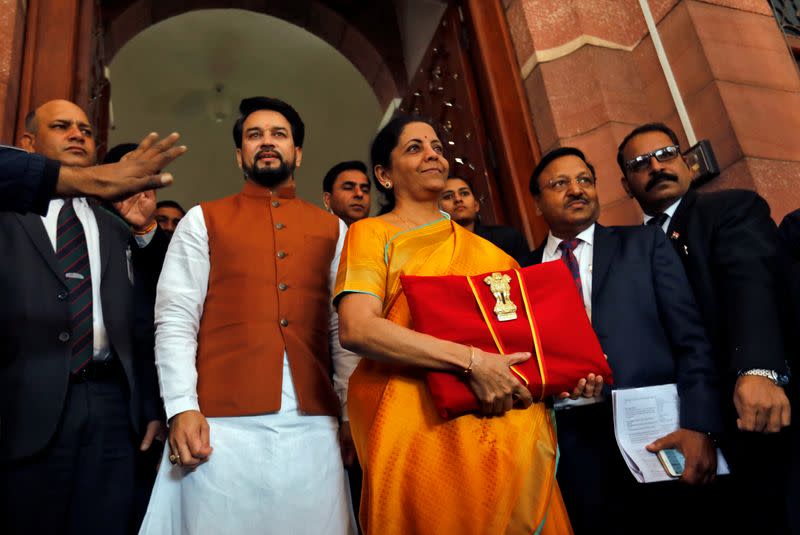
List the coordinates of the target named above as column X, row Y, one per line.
column 150, row 228
column 468, row 370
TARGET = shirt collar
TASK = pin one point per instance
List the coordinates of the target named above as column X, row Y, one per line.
column 251, row 189
column 56, row 204
column 669, row 211
column 552, row 242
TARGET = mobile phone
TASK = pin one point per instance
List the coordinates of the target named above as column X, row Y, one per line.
column 673, row 461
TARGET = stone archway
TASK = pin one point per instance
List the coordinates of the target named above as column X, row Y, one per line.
column 366, row 33
column 67, row 44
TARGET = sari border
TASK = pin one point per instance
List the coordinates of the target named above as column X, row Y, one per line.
column 445, row 216
column 342, row 293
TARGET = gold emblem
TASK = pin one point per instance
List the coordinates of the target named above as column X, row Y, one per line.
column 504, row 308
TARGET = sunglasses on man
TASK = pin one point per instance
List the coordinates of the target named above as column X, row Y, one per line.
column 664, row 154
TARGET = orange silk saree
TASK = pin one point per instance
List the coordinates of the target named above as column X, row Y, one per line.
column 423, row 474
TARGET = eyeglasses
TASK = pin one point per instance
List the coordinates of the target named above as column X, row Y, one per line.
column 561, row 184
column 664, row 154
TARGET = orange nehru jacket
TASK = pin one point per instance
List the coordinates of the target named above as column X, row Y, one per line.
column 268, row 290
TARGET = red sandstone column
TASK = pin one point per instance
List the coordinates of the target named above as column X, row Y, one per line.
column 54, row 62
column 591, row 74
column 12, row 31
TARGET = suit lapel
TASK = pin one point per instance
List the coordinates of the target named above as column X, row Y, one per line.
column 677, row 231
column 33, row 225
column 603, row 250
column 103, row 231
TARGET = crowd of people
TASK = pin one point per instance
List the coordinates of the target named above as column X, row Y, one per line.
column 251, row 365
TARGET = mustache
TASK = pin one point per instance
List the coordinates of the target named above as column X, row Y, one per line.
column 573, row 198
column 657, row 177
column 270, row 153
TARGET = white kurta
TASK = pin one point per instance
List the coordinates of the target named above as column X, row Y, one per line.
column 276, row 473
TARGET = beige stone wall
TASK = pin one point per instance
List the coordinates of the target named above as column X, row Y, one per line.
column 591, row 74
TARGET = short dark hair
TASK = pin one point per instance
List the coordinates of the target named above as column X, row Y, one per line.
column 31, row 124
column 170, row 204
column 341, row 167
column 643, row 129
column 383, row 145
column 549, row 158
column 249, row 105
column 116, row 153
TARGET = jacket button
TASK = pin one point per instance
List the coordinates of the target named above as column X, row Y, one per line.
column 279, row 226
column 281, row 254
column 282, row 287
column 62, row 295
column 284, row 322
column 63, row 336
column 275, row 204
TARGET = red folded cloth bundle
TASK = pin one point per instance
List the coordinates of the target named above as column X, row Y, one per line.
column 535, row 309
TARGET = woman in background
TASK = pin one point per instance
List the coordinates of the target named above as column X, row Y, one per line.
column 458, row 200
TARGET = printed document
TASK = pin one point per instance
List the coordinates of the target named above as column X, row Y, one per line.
column 641, row 416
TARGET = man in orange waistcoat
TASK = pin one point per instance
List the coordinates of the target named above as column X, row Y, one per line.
column 245, row 351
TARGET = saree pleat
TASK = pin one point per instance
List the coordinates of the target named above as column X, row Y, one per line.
column 424, row 474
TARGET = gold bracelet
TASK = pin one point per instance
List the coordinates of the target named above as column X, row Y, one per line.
column 468, row 370
column 148, row 230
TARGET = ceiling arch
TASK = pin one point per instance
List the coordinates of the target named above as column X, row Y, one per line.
column 364, row 31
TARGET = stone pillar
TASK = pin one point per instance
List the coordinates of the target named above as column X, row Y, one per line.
column 12, row 31
column 57, row 54
column 591, row 74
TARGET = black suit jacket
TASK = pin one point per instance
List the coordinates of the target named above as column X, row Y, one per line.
column 27, row 181
column 34, row 373
column 647, row 322
column 509, row 239
column 728, row 244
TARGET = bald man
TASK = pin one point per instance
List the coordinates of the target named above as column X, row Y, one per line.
column 76, row 397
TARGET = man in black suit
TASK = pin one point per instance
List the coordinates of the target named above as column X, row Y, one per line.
column 641, row 307
column 28, row 181
column 728, row 245
column 789, row 233
column 76, row 399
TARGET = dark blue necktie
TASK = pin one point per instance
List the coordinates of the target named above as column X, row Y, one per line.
column 73, row 256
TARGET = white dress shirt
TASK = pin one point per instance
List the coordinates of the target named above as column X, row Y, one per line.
column 669, row 211
column 87, row 219
column 181, row 294
column 584, row 253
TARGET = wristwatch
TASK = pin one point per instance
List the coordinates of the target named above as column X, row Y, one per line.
column 780, row 379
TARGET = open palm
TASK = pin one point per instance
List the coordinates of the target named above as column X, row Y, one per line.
column 139, row 209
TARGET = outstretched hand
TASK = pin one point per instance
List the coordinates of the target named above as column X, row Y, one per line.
column 139, row 171
column 138, row 210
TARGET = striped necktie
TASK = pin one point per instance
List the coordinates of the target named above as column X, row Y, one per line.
column 568, row 256
column 73, row 256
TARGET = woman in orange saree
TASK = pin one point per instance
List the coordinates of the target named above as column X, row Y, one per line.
column 423, row 474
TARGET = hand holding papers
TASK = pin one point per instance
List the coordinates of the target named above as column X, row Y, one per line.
column 646, row 415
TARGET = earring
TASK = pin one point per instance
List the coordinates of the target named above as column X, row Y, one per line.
column 387, row 185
